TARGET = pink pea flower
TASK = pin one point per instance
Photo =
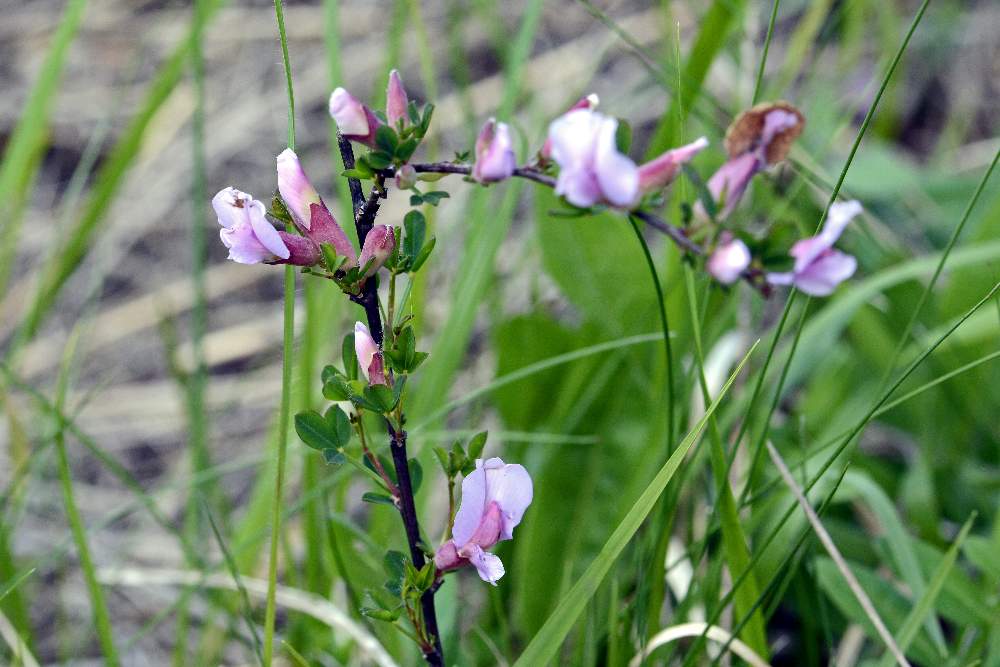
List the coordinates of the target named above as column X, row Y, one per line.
column 396, row 102
column 354, row 119
column 758, row 138
column 586, row 102
column 369, row 355
column 591, row 169
column 494, row 498
column 819, row 268
column 495, row 159
column 308, row 211
column 729, row 259
column 659, row 172
column 379, row 244
column 250, row 237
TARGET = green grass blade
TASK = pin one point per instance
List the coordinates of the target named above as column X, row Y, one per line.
column 763, row 56
column 545, row 644
column 27, row 141
column 99, row 608
column 475, row 269
column 715, row 27
column 925, row 604
column 106, row 184
column 287, row 362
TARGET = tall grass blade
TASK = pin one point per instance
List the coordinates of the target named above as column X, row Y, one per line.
column 545, row 644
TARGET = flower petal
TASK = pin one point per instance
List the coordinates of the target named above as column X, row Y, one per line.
column 489, row 566
column 617, row 173
column 822, row 276
column 510, row 487
column 471, row 510
column 265, row 232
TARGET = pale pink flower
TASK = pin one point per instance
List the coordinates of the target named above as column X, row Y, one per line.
column 495, row 159
column 586, row 102
column 591, row 169
column 819, row 268
column 494, row 498
column 729, row 259
column 245, row 229
column 369, row 355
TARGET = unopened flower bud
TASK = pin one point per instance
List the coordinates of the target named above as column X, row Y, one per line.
column 295, row 188
column 379, row 244
column 406, row 177
column 659, row 172
column 729, row 259
column 354, row 120
column 495, row 159
column 396, row 102
column 369, row 355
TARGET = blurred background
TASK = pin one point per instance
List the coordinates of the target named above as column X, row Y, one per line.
column 113, row 145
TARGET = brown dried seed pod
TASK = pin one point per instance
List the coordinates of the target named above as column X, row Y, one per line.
column 745, row 132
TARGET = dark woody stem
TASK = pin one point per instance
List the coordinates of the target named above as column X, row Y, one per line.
column 674, row 233
column 364, row 218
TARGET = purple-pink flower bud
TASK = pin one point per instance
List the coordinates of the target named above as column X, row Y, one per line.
column 245, row 229
column 354, row 120
column 819, row 268
column 494, row 498
column 369, row 355
column 495, row 159
column 295, row 188
column 396, row 102
column 729, row 259
column 379, row 244
column 591, row 169
column 659, row 172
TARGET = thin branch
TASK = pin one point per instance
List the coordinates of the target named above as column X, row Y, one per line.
column 838, row 559
column 364, row 219
column 672, row 232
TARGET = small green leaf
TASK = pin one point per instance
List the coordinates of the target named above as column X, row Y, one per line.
column 416, row 228
column 424, row 254
column 394, row 563
column 362, row 173
column 378, row 159
column 350, row 356
column 278, row 209
column 386, row 139
column 329, row 372
column 332, row 260
column 413, row 113
column 425, row 120
column 442, row 457
column 416, row 199
column 381, row 397
column 476, row 445
column 341, row 425
column 315, row 431
column 377, row 499
column 335, row 389
column 406, row 149
column 434, row 197
column 379, row 614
